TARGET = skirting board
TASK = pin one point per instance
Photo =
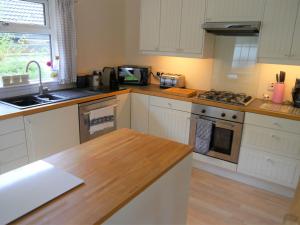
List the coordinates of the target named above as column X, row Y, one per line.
column 275, row 188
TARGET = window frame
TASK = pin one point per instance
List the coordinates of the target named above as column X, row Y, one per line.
column 48, row 29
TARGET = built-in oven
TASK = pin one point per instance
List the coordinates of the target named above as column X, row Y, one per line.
column 97, row 118
column 216, row 132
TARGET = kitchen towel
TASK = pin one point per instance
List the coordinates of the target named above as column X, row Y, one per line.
column 101, row 119
column 203, row 136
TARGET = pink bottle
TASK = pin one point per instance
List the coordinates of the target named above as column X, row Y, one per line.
column 278, row 94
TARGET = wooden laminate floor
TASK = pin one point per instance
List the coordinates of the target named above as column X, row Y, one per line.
column 220, row 201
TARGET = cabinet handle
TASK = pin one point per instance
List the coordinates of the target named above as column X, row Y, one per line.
column 269, row 160
column 275, row 137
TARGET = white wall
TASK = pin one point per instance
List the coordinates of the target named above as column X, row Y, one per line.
column 100, row 34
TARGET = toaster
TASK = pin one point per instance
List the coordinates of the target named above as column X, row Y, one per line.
column 172, row 80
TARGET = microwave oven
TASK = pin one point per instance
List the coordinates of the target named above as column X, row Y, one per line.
column 136, row 75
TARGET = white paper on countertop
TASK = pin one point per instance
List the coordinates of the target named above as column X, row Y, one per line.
column 26, row 188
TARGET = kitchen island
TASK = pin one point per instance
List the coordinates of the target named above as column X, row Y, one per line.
column 130, row 178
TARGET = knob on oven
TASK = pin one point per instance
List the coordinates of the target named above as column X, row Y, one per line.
column 223, row 114
column 234, row 117
column 203, row 111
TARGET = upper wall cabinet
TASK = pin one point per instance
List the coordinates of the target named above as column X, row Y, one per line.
column 235, row 10
column 295, row 53
column 170, row 25
column 173, row 27
column 191, row 35
column 149, row 25
column 276, row 41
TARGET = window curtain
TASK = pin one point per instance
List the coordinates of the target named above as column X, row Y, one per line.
column 66, row 40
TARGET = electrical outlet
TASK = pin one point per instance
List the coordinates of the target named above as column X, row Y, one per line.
column 271, row 87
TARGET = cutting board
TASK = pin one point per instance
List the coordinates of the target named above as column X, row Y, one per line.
column 181, row 92
column 25, row 189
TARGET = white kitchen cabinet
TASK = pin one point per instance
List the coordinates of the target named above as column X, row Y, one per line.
column 52, row 131
column 278, row 29
column 170, row 25
column 235, row 10
column 295, row 54
column 149, row 25
column 140, row 112
column 13, row 149
column 169, row 124
column 270, row 167
column 270, row 149
column 169, row 119
column 192, row 36
column 173, row 27
column 274, row 141
column 123, row 111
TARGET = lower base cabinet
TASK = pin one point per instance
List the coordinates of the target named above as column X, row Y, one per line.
column 123, row 111
column 13, row 149
column 169, row 123
column 270, row 167
column 50, row 132
column 270, row 149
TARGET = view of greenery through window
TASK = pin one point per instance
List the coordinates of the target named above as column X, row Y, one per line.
column 16, row 50
column 19, row 46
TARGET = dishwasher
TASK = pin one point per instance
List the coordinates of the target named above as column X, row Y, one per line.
column 97, row 118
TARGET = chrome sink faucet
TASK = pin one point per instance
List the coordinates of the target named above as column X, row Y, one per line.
column 42, row 90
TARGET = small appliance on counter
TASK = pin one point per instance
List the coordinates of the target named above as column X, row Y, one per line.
column 135, row 75
column 296, row 94
column 172, row 80
column 109, row 79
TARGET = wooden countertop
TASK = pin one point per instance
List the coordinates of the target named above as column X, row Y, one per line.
column 7, row 112
column 253, row 107
column 153, row 90
column 115, row 167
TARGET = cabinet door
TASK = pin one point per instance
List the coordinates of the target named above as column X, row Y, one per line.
column 53, row 131
column 270, row 167
column 170, row 25
column 278, row 29
column 123, row 111
column 192, row 35
column 235, row 10
column 149, row 25
column 139, row 112
column 168, row 123
column 296, row 42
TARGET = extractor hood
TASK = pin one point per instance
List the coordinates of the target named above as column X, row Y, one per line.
column 233, row 28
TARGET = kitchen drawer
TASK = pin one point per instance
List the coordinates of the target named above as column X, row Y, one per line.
column 12, row 139
column 13, row 153
column 273, row 122
column 171, row 104
column 271, row 140
column 269, row 167
column 11, row 125
column 14, row 164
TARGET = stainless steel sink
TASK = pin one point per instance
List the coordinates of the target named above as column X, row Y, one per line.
column 27, row 101
column 49, row 97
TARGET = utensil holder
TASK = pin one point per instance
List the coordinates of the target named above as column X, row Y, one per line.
column 278, row 95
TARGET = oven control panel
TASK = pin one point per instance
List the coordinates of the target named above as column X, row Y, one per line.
column 219, row 113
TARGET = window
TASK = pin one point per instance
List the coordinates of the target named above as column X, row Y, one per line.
column 27, row 32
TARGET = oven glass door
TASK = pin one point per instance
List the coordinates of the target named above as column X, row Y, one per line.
column 225, row 138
